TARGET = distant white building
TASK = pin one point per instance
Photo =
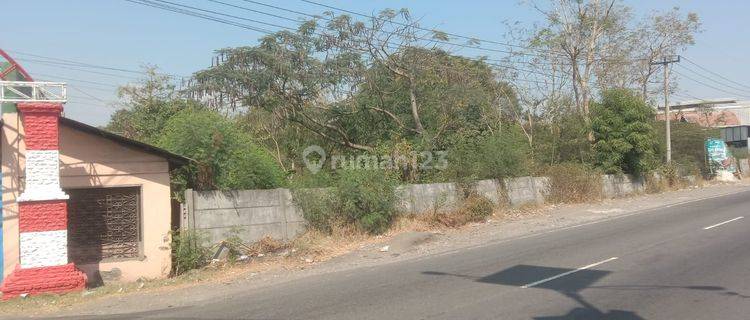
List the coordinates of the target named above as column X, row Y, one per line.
column 731, row 116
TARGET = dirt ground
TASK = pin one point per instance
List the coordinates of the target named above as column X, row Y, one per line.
column 408, row 239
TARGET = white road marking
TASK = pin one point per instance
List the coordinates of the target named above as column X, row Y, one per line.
column 721, row 223
column 567, row 273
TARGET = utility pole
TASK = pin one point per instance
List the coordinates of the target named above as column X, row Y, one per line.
column 664, row 62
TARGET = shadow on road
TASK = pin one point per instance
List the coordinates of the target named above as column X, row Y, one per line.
column 720, row 290
column 571, row 285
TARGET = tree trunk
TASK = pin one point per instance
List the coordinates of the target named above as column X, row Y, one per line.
column 414, row 106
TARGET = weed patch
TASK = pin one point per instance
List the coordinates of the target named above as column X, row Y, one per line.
column 573, row 183
column 475, row 208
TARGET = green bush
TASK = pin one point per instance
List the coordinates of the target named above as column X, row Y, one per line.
column 564, row 139
column 318, row 208
column 189, row 251
column 623, row 128
column 225, row 156
column 490, row 156
column 688, row 145
column 573, row 182
column 251, row 167
column 366, row 197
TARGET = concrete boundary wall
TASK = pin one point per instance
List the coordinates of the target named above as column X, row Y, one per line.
column 617, row 186
column 745, row 167
column 434, row 197
column 249, row 214
column 526, row 190
column 254, row 214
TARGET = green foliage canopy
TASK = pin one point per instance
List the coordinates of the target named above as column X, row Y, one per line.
column 623, row 128
column 226, row 157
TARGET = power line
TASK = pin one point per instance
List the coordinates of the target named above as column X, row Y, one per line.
column 52, row 77
column 198, row 15
column 81, row 101
column 77, row 99
column 713, row 80
column 290, row 28
column 686, row 94
column 267, row 13
column 680, row 96
column 329, row 19
column 94, row 66
column 225, row 14
column 175, row 8
column 86, row 93
column 714, row 73
column 316, row 16
column 559, row 53
column 402, row 24
column 423, row 29
column 111, row 90
column 419, row 28
column 708, row 85
column 68, row 66
column 76, row 63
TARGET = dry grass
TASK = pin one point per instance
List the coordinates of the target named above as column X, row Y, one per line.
column 410, row 222
column 323, row 246
column 660, row 183
column 573, row 183
column 655, row 184
column 475, row 208
column 264, row 246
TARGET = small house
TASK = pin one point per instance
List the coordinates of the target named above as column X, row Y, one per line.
column 120, row 209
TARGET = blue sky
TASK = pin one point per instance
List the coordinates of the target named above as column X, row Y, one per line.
column 120, row 34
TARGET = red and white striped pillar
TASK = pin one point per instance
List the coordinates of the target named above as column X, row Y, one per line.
column 42, row 209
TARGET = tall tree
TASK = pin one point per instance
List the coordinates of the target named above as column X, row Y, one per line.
column 291, row 75
column 662, row 35
column 596, row 45
column 577, row 29
column 658, row 35
column 356, row 85
column 146, row 106
column 385, row 40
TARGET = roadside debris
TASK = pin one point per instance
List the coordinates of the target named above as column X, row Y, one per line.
column 407, row 241
column 236, row 251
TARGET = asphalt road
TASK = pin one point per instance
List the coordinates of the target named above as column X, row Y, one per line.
column 689, row 261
